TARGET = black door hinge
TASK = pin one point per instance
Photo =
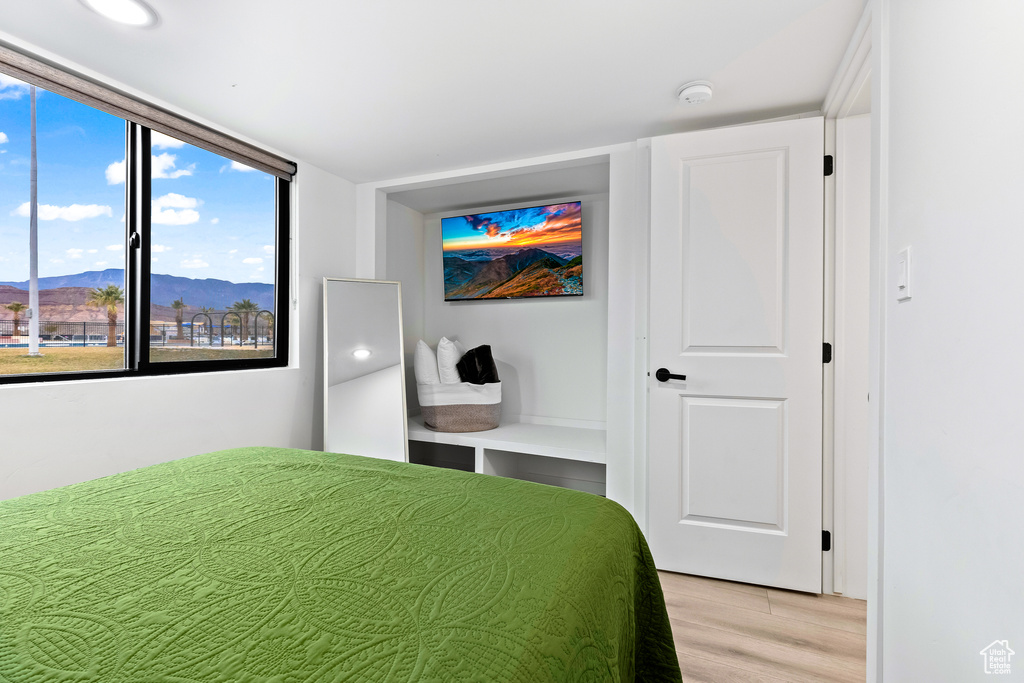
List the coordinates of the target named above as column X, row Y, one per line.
column 830, row 164
column 826, row 352
column 826, row 541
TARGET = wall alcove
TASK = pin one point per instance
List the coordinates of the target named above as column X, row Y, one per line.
column 568, row 407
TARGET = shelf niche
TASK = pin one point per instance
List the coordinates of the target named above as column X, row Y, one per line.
column 552, row 353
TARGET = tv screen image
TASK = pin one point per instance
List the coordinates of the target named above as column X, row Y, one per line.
column 530, row 252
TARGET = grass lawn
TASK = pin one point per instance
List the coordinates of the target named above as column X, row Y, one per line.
column 82, row 359
column 170, row 353
column 66, row 359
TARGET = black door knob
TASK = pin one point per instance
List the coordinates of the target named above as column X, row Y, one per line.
column 663, row 375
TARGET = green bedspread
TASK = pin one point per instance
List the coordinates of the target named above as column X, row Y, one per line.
column 267, row 565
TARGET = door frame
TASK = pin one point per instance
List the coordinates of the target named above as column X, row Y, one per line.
column 852, row 76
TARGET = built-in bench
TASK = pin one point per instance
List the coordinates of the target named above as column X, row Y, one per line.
column 504, row 450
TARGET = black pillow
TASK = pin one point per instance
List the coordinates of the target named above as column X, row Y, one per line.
column 477, row 366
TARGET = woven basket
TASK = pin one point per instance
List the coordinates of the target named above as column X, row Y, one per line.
column 462, row 407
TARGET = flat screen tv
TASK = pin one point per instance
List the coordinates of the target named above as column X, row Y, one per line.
column 535, row 251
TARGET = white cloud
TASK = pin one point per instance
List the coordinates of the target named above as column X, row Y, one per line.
column 75, row 212
column 115, row 172
column 101, row 264
column 163, row 167
column 173, row 200
column 194, row 263
column 236, row 166
column 11, row 88
column 115, row 247
column 214, row 221
column 175, row 209
column 56, row 260
column 233, row 251
column 74, row 253
column 164, row 141
column 268, row 249
column 252, row 261
column 3, row 137
column 91, row 251
column 159, row 248
column 172, row 217
column 11, row 82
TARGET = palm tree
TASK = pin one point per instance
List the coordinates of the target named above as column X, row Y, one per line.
column 179, row 309
column 16, row 307
column 244, row 308
column 110, row 296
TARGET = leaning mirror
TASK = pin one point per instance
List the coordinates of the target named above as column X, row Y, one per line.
column 364, row 369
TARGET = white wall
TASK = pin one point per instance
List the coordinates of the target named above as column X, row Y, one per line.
column 626, row 407
column 404, row 258
column 952, row 451
column 60, row 433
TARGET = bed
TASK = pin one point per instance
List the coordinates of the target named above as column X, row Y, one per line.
column 268, row 565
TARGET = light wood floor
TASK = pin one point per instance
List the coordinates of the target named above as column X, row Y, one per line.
column 738, row 633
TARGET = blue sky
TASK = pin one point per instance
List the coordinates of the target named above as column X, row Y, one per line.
column 535, row 226
column 212, row 218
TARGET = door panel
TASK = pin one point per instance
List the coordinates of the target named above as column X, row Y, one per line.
column 736, row 306
column 725, row 244
column 737, row 445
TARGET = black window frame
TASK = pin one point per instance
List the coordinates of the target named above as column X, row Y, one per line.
column 139, row 256
column 137, row 268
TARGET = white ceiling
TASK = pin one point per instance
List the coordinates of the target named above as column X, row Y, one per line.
column 379, row 89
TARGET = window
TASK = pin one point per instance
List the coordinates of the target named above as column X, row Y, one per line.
column 212, row 250
column 127, row 249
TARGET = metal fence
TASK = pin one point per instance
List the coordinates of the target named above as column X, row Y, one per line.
column 217, row 329
column 52, row 333
column 203, row 330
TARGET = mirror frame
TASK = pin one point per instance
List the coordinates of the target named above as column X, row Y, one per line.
column 401, row 349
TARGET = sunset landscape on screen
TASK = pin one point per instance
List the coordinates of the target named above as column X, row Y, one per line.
column 528, row 252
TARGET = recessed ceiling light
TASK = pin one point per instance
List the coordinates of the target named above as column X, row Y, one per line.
column 130, row 12
column 361, row 354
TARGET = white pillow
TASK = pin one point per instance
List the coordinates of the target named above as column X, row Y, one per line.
column 448, row 354
column 424, row 364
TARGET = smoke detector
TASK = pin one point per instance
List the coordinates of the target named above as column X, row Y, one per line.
column 695, row 92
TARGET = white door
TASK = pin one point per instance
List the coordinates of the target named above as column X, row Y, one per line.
column 736, row 307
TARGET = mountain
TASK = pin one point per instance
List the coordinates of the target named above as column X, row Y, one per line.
column 458, row 271
column 91, row 279
column 546, row 277
column 525, row 257
column 60, row 304
column 492, row 272
column 468, row 279
column 71, row 305
column 164, row 289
